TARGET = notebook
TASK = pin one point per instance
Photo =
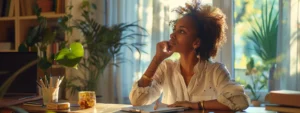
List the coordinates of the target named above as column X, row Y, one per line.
column 285, row 109
column 149, row 108
column 284, row 97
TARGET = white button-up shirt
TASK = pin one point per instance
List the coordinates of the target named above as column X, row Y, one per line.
column 210, row 81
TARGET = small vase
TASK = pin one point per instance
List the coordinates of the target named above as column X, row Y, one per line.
column 256, row 103
column 271, row 84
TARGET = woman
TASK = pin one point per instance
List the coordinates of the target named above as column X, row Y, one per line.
column 194, row 81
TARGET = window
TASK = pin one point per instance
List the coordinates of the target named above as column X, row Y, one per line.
column 267, row 47
column 248, row 17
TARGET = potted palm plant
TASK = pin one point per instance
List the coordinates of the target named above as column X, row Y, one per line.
column 103, row 45
column 264, row 38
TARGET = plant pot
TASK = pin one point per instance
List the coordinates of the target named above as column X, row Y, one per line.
column 45, row 5
column 256, row 103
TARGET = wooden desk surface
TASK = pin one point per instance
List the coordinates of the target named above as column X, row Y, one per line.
column 115, row 108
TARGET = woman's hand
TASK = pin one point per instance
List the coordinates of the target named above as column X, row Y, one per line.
column 186, row 104
column 163, row 50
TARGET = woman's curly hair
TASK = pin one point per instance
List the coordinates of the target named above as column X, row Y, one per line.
column 210, row 23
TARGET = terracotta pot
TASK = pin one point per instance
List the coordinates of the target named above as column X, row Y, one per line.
column 45, row 5
column 255, row 103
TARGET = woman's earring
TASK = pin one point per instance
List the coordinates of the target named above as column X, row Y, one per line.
column 197, row 55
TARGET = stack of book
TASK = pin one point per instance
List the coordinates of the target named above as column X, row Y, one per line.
column 283, row 101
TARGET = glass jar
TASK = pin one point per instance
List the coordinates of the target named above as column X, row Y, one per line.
column 86, row 99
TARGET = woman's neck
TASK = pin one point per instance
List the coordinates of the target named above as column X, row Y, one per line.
column 187, row 62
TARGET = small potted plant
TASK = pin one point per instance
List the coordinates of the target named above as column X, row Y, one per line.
column 258, row 82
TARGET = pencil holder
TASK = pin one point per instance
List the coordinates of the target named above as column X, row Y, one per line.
column 50, row 95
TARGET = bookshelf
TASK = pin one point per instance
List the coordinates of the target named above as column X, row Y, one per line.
column 20, row 17
column 16, row 19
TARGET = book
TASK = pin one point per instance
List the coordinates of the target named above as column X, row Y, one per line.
column 28, row 7
column 1, row 7
column 58, row 106
column 150, row 108
column 11, row 8
column 6, row 8
column 286, row 109
column 284, row 97
column 5, row 45
column 22, row 8
column 34, row 103
column 15, row 101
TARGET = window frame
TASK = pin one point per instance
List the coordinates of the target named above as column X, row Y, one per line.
column 226, row 54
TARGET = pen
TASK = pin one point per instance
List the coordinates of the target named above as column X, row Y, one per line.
column 42, row 83
column 46, row 81
column 50, row 84
column 38, row 84
column 61, row 79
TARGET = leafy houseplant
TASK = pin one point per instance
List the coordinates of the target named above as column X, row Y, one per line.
column 264, row 38
column 258, row 82
column 42, row 35
column 103, row 45
column 38, row 39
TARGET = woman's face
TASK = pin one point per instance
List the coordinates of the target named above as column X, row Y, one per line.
column 184, row 37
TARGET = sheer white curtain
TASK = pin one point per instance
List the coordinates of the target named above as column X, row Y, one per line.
column 288, row 67
column 153, row 15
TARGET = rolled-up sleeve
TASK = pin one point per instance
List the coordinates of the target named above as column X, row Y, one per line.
column 147, row 95
column 230, row 93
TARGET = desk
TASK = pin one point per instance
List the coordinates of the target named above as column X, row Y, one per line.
column 115, row 108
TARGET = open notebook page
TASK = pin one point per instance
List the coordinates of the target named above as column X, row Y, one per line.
column 149, row 108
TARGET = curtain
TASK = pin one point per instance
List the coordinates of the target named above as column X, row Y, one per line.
column 288, row 62
column 153, row 15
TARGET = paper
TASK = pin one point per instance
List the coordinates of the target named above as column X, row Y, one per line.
column 149, row 108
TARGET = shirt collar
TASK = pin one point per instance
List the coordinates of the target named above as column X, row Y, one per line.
column 196, row 68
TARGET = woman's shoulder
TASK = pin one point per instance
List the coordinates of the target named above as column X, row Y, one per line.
column 217, row 66
column 214, row 64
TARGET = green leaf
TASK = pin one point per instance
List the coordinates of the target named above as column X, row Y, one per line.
column 70, row 57
column 251, row 89
column 48, row 36
column 85, row 4
column 262, row 86
column 44, row 64
column 23, row 48
column 77, row 49
column 94, row 6
column 250, row 64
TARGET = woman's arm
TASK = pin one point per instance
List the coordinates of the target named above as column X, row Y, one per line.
column 162, row 52
column 149, row 73
column 211, row 104
column 145, row 91
column 229, row 93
